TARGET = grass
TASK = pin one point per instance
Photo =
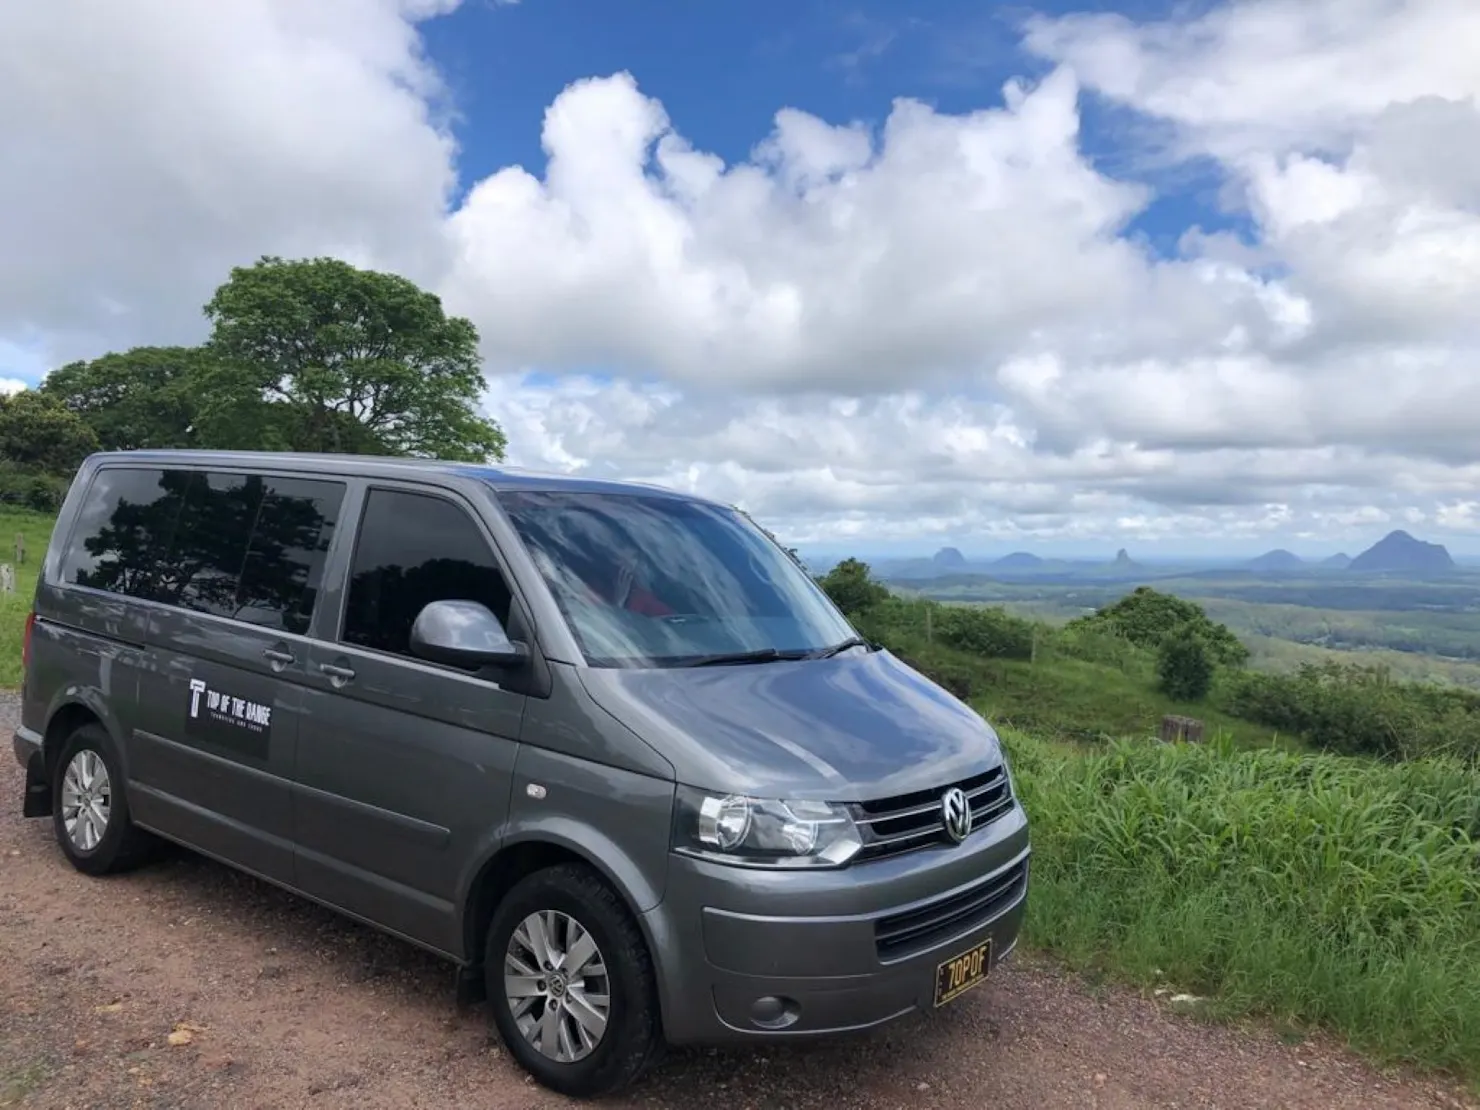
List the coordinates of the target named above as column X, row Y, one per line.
column 1074, row 699
column 36, row 529
column 1316, row 891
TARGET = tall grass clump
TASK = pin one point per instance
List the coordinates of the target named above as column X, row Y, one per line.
column 1314, row 889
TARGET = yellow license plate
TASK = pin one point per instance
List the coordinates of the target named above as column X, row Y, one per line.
column 956, row 976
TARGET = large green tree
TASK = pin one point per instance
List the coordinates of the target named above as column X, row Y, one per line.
column 319, row 355
column 41, row 445
column 38, row 433
column 144, row 397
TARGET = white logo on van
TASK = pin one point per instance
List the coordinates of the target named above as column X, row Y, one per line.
column 227, row 708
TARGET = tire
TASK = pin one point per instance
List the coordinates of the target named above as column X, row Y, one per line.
column 122, row 845
column 631, row 1039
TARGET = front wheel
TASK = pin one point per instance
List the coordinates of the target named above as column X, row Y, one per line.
column 570, row 983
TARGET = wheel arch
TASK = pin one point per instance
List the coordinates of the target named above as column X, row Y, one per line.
column 75, row 710
column 533, row 850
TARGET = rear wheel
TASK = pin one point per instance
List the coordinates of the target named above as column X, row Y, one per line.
column 570, row 983
column 89, row 810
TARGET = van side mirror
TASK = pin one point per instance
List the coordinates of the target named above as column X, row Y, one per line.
column 463, row 634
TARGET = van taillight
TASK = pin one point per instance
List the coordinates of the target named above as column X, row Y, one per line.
column 26, row 643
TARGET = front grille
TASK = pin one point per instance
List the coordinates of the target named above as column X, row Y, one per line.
column 891, row 826
column 904, row 934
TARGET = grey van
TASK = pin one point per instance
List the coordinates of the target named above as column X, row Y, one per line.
column 605, row 747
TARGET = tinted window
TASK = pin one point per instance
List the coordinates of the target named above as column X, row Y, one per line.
column 125, row 525
column 285, row 557
column 242, row 546
column 656, row 580
column 204, row 566
column 414, row 549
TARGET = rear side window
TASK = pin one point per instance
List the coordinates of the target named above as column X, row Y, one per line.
column 245, row 546
column 123, row 530
column 414, row 549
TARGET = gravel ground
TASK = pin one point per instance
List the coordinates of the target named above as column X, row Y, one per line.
column 188, row 985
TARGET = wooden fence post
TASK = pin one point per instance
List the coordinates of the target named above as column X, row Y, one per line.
column 1176, row 729
column 7, row 578
column 20, row 548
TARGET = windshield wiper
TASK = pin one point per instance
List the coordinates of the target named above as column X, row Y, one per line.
column 761, row 655
column 838, row 649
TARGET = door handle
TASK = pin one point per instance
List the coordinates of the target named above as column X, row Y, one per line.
column 278, row 657
column 338, row 675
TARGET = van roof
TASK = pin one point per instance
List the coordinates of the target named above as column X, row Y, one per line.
column 370, row 466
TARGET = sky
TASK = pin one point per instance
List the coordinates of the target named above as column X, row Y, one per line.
column 1186, row 278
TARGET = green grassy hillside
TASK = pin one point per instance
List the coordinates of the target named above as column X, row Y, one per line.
column 36, row 528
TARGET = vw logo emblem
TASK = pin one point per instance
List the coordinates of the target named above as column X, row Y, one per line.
column 955, row 814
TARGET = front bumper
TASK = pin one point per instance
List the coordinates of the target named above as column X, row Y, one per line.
column 745, row 954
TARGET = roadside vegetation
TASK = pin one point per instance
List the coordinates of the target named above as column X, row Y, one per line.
column 1313, row 862
column 34, row 530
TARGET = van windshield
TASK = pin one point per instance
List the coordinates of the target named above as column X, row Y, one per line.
column 655, row 581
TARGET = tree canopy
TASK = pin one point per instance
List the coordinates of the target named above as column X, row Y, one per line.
column 304, row 355
column 1147, row 617
column 144, row 397
column 41, row 444
column 318, row 355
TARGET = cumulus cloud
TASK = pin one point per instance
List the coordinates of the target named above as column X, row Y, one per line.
column 833, row 258
column 944, row 327
column 150, row 146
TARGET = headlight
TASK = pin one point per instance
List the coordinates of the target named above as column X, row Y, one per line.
column 763, row 832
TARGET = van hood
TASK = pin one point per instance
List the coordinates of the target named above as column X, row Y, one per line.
column 851, row 728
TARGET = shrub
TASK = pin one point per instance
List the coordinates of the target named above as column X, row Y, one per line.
column 26, row 488
column 852, row 587
column 983, row 631
column 1184, row 666
column 1147, row 617
column 1360, row 710
column 1095, row 643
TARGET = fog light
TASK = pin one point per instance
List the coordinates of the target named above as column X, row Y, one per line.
column 774, row 1012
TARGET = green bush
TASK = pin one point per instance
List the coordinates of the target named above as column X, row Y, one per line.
column 994, row 633
column 1184, row 666
column 1325, row 890
column 1095, row 643
column 26, row 488
column 1360, row 710
column 1147, row 617
column 852, row 587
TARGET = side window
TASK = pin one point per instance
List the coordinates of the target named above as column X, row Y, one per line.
column 203, row 571
column 414, row 549
column 237, row 545
column 284, row 562
column 251, row 547
column 125, row 527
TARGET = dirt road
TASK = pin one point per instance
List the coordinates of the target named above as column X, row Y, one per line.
column 277, row 1003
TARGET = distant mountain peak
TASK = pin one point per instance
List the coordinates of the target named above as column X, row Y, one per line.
column 1278, row 559
column 1123, row 559
column 1019, row 559
column 1398, row 551
column 949, row 557
column 1341, row 560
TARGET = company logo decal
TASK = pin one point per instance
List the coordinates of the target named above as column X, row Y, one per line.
column 227, row 709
